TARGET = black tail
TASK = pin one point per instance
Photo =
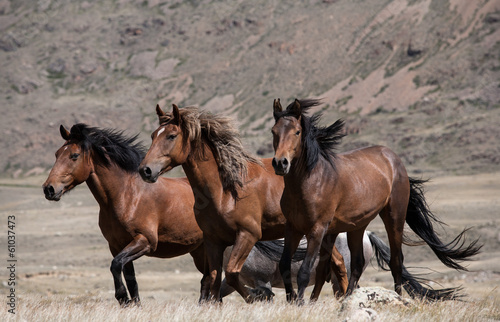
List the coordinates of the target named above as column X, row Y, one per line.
column 420, row 219
column 413, row 285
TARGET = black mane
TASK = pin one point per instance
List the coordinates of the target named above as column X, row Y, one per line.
column 316, row 140
column 109, row 145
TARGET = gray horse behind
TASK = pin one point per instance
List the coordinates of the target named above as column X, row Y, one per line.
column 261, row 271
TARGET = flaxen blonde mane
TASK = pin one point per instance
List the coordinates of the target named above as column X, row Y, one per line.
column 219, row 133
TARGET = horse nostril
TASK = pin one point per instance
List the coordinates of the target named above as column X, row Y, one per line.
column 49, row 190
column 274, row 163
column 146, row 172
column 285, row 162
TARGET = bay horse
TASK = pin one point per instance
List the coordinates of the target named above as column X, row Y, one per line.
column 328, row 193
column 261, row 269
column 237, row 195
column 135, row 218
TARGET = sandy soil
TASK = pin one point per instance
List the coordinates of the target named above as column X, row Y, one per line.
column 61, row 251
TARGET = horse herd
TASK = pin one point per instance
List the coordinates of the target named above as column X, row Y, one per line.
column 232, row 209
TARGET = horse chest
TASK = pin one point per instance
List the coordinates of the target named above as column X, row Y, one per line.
column 216, row 225
column 113, row 229
column 298, row 213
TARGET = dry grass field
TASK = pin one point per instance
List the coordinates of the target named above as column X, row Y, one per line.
column 63, row 264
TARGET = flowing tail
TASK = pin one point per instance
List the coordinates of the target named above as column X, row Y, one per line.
column 413, row 285
column 421, row 219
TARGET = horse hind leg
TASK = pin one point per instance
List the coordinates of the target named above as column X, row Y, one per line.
column 355, row 243
column 338, row 267
column 330, row 260
column 322, row 268
column 393, row 216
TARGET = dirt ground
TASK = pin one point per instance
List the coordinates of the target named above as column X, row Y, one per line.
column 61, row 251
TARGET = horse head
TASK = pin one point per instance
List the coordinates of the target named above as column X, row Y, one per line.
column 72, row 166
column 287, row 136
column 168, row 148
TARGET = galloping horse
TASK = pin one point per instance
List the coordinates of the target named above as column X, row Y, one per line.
column 327, row 193
column 136, row 218
column 237, row 196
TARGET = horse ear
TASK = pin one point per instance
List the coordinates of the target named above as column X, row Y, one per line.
column 176, row 114
column 159, row 111
column 64, row 132
column 277, row 107
column 296, row 109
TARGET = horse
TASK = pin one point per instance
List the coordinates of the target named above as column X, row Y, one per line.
column 327, row 193
column 135, row 218
column 261, row 269
column 237, row 195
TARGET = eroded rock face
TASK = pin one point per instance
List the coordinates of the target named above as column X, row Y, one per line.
column 362, row 304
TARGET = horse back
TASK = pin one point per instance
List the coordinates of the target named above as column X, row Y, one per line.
column 366, row 180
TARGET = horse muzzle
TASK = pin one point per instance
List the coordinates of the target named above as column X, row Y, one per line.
column 281, row 166
column 148, row 174
column 51, row 193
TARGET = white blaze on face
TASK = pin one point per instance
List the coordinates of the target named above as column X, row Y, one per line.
column 160, row 131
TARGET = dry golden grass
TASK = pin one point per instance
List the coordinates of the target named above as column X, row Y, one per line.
column 96, row 308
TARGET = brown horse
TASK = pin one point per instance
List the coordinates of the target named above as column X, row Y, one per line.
column 327, row 193
column 136, row 218
column 237, row 196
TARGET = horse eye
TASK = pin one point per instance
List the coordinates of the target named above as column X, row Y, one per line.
column 297, row 133
column 74, row 156
column 172, row 136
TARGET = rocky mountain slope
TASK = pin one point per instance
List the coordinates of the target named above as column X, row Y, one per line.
column 420, row 76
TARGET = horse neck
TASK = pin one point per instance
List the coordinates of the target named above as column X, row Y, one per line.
column 300, row 179
column 107, row 184
column 203, row 175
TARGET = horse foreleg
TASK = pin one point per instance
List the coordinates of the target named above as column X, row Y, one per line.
column 292, row 240
column 355, row 243
column 135, row 249
column 314, row 240
column 133, row 289
column 201, row 263
column 212, row 278
column 323, row 268
column 241, row 248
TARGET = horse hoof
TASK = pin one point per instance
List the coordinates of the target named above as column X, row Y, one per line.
column 124, row 302
column 300, row 302
column 260, row 294
column 290, row 298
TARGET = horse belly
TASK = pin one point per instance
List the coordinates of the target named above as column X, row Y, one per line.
column 169, row 250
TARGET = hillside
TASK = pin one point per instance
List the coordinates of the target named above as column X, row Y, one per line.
column 420, row 76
